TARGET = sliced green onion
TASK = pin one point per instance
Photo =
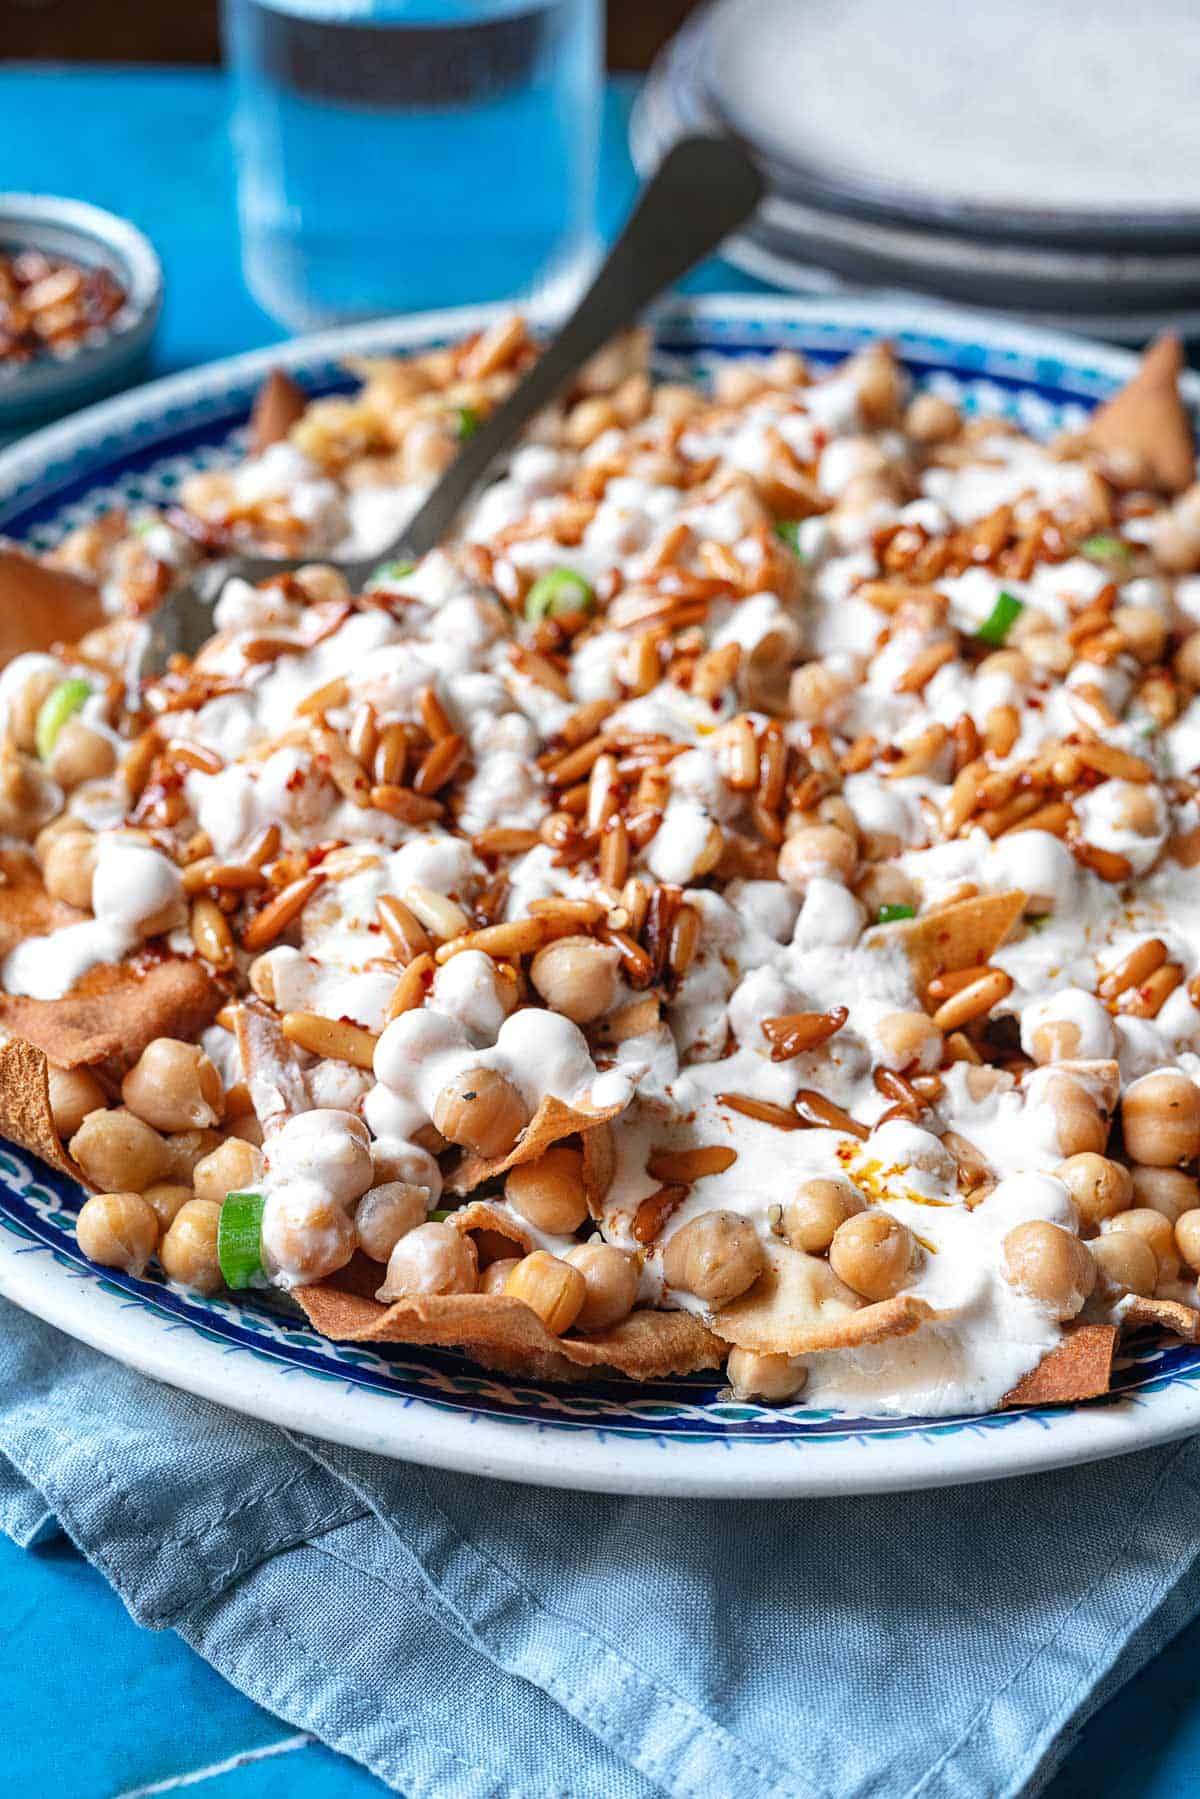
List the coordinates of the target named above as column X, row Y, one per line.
column 890, row 914
column 1037, row 921
column 390, row 571
column 787, row 530
column 1104, row 546
column 144, row 527
column 556, row 593
column 1001, row 619
column 239, row 1239
column 55, row 710
column 437, row 1217
column 466, row 422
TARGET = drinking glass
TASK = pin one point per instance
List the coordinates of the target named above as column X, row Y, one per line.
column 394, row 155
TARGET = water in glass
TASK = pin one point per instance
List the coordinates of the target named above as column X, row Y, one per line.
column 395, row 155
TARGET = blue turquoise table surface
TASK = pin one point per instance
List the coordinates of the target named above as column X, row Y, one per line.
column 92, row 1707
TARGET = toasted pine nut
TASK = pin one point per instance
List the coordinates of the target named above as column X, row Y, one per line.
column 924, row 666
column 506, row 941
column 405, row 932
column 412, row 987
column 331, row 1037
column 689, row 1164
column 444, row 917
column 325, row 698
column 653, row 1211
column 433, row 714
column 1133, row 969
column 211, row 934
column 1148, row 999
column 441, row 764
column 402, row 803
column 974, row 1000
column 791, row 1033
column 762, row 1110
column 273, row 919
column 815, row 1110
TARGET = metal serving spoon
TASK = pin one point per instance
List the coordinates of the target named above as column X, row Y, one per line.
column 702, row 190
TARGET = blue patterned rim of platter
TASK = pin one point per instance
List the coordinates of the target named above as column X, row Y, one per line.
column 138, row 449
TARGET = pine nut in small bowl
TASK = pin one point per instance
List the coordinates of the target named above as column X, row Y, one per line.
column 80, row 295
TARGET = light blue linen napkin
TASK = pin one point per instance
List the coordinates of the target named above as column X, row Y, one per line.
column 472, row 1640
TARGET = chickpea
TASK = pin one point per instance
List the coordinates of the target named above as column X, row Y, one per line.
column 119, row 1152
column 549, row 1193
column 1187, row 661
column 174, row 1087
column 1055, row 1041
column 882, row 884
column 880, row 384
column 818, row 1209
column 1187, row 1238
column 930, row 419
column 1136, row 808
column 494, row 1277
column 816, row 850
column 387, row 1213
column 610, row 1277
column 247, row 1128
column 233, row 1167
column 307, row 1233
column 1176, row 545
column 775, row 1378
column 482, row 1111
column 1080, row 1125
column 874, row 1254
column 1144, row 631
column 1126, row 1262
column 73, row 1094
column 167, row 1198
column 29, row 799
column 118, row 1230
column 434, row 1258
column 716, row 1256
column 910, row 1040
column 81, row 754
column 27, row 703
column 1010, row 663
column 1050, row 1265
column 1166, row 1190
column 68, row 866
column 1161, row 1116
column 550, row 1287
column 62, row 826
column 577, row 977
column 187, row 1148
column 1100, row 1188
column 817, row 692
column 1155, row 1230
column 188, row 1251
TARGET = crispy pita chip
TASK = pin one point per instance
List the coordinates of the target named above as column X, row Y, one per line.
column 1163, row 1315
column 25, row 1116
column 270, row 1066
column 26, row 909
column 798, row 1306
column 41, row 606
column 552, row 1121
column 1149, row 420
column 279, row 402
column 951, row 937
column 599, row 1165
column 115, row 1010
column 505, row 1334
column 495, row 1234
column 1080, row 1367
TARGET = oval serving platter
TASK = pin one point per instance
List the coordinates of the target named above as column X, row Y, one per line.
column 676, row 1437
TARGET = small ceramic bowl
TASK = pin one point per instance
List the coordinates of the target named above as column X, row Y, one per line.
column 108, row 357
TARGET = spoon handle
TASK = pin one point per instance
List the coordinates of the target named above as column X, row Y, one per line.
column 703, row 189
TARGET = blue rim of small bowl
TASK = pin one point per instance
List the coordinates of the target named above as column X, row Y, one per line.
column 96, row 238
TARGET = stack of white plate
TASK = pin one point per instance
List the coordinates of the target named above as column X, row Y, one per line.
column 1039, row 157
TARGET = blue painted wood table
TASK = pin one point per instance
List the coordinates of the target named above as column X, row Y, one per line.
column 92, row 1706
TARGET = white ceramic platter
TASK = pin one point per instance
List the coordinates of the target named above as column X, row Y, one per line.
column 670, row 1437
